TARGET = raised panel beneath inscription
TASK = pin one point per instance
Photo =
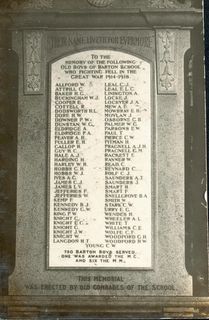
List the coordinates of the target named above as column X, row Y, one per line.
column 100, row 168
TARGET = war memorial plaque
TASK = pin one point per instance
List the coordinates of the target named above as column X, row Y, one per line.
column 100, row 161
column 103, row 204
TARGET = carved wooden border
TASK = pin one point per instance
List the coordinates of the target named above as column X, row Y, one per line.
column 166, row 42
column 33, row 58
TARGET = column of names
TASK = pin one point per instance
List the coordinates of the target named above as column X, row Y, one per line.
column 100, row 161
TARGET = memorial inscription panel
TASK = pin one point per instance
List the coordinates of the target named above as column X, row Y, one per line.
column 100, row 162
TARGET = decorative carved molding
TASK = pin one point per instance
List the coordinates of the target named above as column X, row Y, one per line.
column 47, row 4
column 166, row 60
column 33, row 62
column 100, row 3
column 38, row 4
column 190, row 80
column 170, row 4
column 28, row 4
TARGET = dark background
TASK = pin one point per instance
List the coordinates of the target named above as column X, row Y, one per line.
column 206, row 21
column 207, row 66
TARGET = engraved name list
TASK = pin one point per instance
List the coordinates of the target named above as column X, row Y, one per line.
column 100, row 166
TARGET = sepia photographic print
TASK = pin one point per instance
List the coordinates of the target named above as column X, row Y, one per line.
column 103, row 168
